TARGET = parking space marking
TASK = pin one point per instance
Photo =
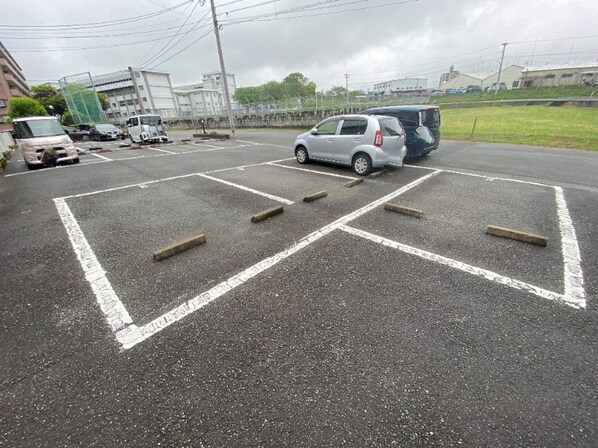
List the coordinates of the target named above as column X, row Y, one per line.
column 110, row 304
column 133, row 335
column 490, row 178
column 215, row 148
column 251, row 190
column 489, row 275
column 311, row 171
column 573, row 275
column 99, row 156
column 161, row 150
column 60, row 167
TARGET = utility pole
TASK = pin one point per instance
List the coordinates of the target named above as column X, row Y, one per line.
column 504, row 47
column 231, row 119
column 347, row 86
column 136, row 88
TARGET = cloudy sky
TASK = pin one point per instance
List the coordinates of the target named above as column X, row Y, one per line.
column 263, row 40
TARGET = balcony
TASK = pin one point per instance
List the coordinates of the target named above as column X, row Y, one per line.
column 16, row 83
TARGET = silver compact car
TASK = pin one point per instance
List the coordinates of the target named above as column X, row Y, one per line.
column 363, row 142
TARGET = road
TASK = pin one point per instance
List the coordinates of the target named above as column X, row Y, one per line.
column 335, row 323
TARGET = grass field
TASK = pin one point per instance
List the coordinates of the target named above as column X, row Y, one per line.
column 565, row 127
column 517, row 94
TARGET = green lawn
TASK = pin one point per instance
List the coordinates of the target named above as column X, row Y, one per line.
column 516, row 94
column 565, row 127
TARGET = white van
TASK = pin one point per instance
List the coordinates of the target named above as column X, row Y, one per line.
column 146, row 128
column 33, row 135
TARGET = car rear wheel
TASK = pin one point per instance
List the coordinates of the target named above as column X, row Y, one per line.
column 362, row 164
column 76, row 160
column 302, row 156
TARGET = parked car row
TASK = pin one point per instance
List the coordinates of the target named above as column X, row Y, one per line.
column 99, row 132
column 373, row 138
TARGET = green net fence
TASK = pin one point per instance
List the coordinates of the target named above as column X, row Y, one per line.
column 81, row 98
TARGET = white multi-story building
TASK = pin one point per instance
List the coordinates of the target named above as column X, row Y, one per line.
column 396, row 87
column 206, row 98
column 155, row 89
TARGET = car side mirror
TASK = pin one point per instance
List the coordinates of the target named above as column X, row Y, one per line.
column 314, row 131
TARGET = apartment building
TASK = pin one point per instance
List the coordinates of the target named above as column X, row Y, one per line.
column 12, row 82
column 155, row 89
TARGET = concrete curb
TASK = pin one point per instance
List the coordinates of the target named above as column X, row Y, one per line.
column 517, row 235
column 376, row 174
column 94, row 148
column 185, row 140
column 352, row 183
column 179, row 247
column 267, row 214
column 313, row 196
column 403, row 210
column 124, row 145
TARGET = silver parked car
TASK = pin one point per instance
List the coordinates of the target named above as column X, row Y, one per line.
column 361, row 141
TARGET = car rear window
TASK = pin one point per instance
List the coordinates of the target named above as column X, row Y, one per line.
column 390, row 127
column 409, row 118
column 354, row 127
column 431, row 118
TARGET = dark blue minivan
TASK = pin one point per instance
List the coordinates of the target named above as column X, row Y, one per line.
column 422, row 123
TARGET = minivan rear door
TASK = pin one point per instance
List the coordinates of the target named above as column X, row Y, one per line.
column 394, row 139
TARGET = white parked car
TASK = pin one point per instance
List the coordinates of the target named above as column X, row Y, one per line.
column 363, row 142
column 146, row 128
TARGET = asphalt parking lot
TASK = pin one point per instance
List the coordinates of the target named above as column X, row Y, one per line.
column 335, row 323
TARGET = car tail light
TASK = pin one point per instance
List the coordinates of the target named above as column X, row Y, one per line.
column 378, row 139
column 404, row 133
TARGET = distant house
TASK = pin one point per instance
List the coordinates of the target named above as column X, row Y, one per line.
column 560, row 75
column 397, row 87
column 510, row 76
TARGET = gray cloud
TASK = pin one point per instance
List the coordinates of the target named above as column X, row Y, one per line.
column 412, row 39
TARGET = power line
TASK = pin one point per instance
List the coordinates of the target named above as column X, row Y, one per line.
column 173, row 36
column 94, row 24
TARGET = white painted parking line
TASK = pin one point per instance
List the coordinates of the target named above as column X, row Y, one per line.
column 161, row 150
column 489, row 275
column 251, row 190
column 250, row 143
column 60, row 167
column 490, row 178
column 573, row 274
column 99, row 156
column 115, row 312
column 312, row 171
column 204, row 144
column 133, row 335
column 121, row 159
column 164, row 179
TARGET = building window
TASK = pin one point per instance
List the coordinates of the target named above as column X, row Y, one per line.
column 113, row 104
column 140, row 87
column 2, row 103
column 144, row 99
column 567, row 75
column 551, row 76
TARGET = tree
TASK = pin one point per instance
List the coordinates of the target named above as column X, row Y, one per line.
column 103, row 100
column 337, row 91
column 24, row 107
column 49, row 96
column 247, row 95
column 297, row 84
column 294, row 85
